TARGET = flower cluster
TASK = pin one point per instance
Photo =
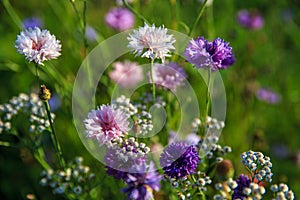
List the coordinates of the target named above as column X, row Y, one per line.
column 186, row 187
column 259, row 164
column 123, row 154
column 267, row 95
column 282, row 192
column 156, row 41
column 214, row 55
column 38, row 45
column 76, row 180
column 24, row 105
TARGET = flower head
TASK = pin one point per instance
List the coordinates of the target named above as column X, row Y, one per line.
column 120, row 19
column 156, row 41
column 250, row 20
column 38, row 45
column 179, row 159
column 168, row 75
column 243, row 182
column 106, row 123
column 141, row 185
column 204, row 54
column 126, row 74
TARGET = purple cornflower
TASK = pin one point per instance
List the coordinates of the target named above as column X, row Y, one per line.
column 106, row 123
column 268, row 96
column 204, row 54
column 179, row 159
column 140, row 186
column 32, row 22
column 126, row 74
column 168, row 75
column 120, row 19
column 250, row 20
column 38, row 45
column 243, row 182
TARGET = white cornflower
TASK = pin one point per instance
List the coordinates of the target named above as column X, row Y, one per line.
column 155, row 40
column 38, row 45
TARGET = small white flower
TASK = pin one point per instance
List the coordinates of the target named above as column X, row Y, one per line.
column 38, row 45
column 155, row 40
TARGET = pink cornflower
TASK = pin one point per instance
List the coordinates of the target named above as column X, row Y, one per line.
column 106, row 123
column 126, row 74
column 38, row 45
column 169, row 75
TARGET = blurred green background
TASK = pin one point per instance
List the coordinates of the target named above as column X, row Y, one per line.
column 268, row 57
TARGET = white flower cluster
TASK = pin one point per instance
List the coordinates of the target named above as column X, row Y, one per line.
column 128, row 149
column 24, row 105
column 186, row 187
column 225, row 188
column 73, row 179
column 259, row 164
column 282, row 192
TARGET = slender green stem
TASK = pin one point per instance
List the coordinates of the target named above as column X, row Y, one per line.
column 208, row 93
column 53, row 134
column 12, row 13
column 42, row 162
column 153, row 81
column 198, row 18
column 84, row 25
column 210, row 22
column 125, row 3
column 54, row 137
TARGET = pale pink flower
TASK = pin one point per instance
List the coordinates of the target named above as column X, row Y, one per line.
column 106, row 123
column 38, row 45
column 126, row 74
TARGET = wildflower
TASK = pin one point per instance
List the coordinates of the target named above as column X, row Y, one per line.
column 38, row 45
column 156, row 41
column 204, row 54
column 268, row 96
column 121, row 158
column 126, row 74
column 250, row 20
column 179, row 160
column 242, row 183
column 32, row 22
column 141, row 185
column 106, row 123
column 168, row 75
column 120, row 19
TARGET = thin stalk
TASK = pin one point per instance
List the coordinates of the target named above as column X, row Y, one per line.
column 198, row 18
column 12, row 13
column 207, row 102
column 125, row 3
column 54, row 137
column 210, row 22
column 152, row 79
column 53, row 134
column 42, row 162
column 84, row 26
